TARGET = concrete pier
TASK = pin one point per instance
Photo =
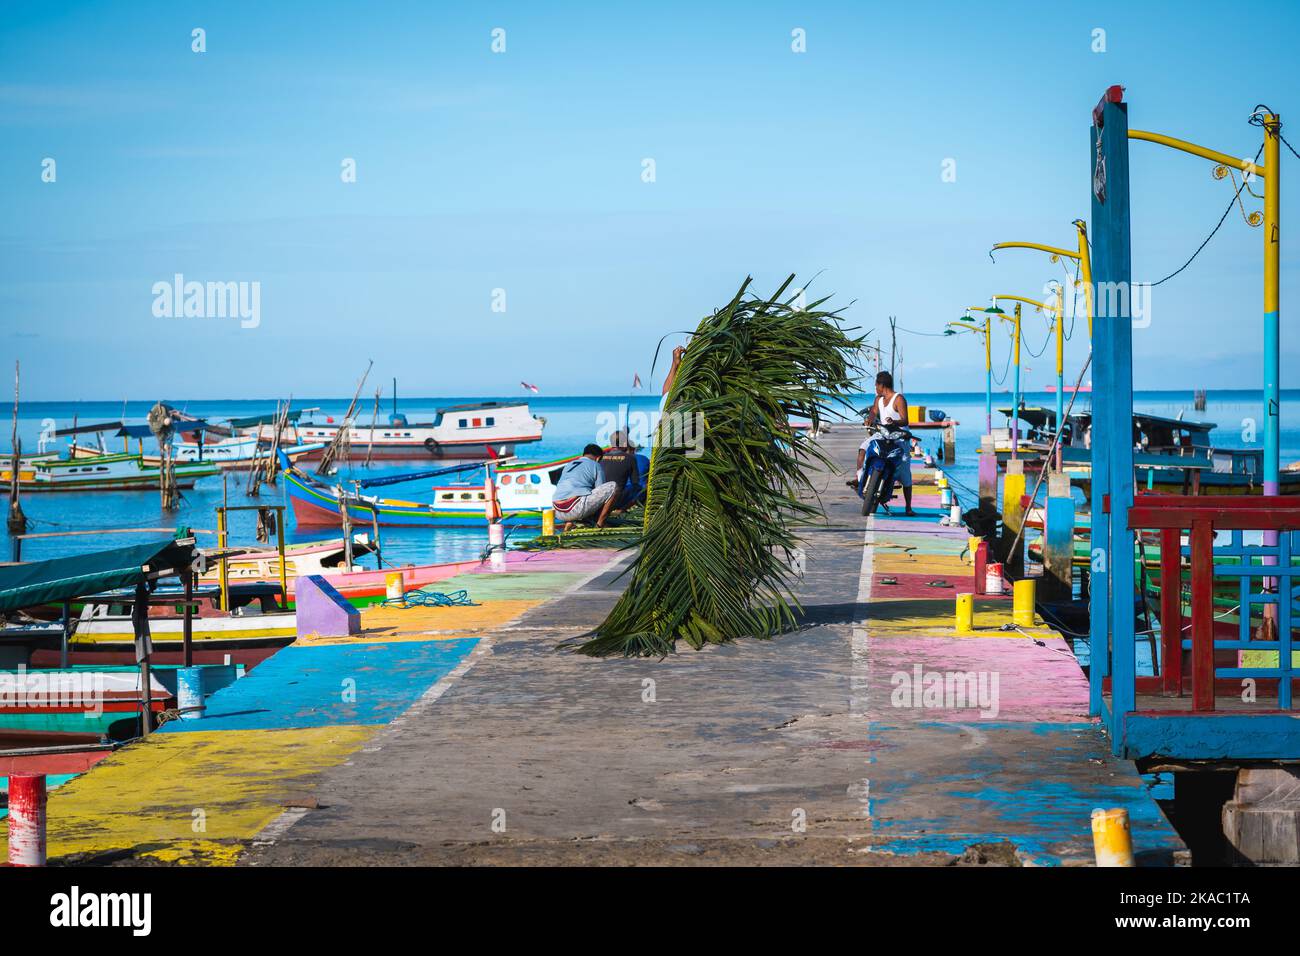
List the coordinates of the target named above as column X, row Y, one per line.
column 803, row 749
column 874, row 735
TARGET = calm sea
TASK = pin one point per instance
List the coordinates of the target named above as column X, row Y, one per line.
column 570, row 423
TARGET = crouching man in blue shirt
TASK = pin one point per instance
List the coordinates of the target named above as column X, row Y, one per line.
column 582, row 490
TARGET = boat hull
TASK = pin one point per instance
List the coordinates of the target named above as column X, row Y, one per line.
column 319, row 507
column 247, row 651
column 359, row 450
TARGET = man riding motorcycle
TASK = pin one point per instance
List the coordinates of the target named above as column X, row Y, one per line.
column 888, row 415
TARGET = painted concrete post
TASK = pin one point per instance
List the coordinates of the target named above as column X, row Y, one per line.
column 324, row 612
column 189, row 692
column 981, row 565
column 27, row 798
column 1013, row 544
column 950, row 441
column 988, row 475
column 1058, row 540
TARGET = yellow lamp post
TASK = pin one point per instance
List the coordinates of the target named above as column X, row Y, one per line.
column 1270, row 173
column 964, row 325
column 1080, row 255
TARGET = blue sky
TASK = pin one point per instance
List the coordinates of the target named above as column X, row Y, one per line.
column 522, row 171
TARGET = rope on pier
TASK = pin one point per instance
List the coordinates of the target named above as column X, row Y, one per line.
column 424, row 597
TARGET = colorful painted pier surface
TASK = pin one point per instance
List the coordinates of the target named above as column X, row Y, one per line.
column 797, row 750
column 469, row 738
column 200, row 791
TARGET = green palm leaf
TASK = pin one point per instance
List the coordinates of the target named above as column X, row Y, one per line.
column 728, row 478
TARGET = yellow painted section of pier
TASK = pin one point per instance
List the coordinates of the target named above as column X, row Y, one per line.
column 200, row 797
column 379, row 623
column 183, row 794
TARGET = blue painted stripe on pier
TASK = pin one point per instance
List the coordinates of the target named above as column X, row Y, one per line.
column 309, row 686
column 1040, row 809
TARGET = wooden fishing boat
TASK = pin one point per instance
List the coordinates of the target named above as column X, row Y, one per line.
column 238, row 453
column 1175, row 456
column 358, row 585
column 522, row 492
column 100, row 472
column 254, row 629
column 78, row 701
column 26, row 467
column 362, row 587
column 58, row 755
column 471, row 431
column 314, row 557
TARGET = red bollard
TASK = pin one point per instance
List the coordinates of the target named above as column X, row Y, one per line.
column 27, row 819
column 981, row 566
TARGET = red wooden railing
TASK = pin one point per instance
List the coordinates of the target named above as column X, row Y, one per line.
column 1201, row 517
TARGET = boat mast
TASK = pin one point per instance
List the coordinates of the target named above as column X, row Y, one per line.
column 17, row 519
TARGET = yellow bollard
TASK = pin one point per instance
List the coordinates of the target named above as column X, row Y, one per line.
column 394, row 586
column 965, row 620
column 972, row 545
column 1111, row 840
column 941, row 482
column 548, row 521
column 1022, row 603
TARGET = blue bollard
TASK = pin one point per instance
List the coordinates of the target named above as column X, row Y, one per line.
column 189, row 692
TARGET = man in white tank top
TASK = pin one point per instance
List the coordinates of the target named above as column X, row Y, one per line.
column 890, row 408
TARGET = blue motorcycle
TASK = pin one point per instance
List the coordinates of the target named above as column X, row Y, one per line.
column 887, row 450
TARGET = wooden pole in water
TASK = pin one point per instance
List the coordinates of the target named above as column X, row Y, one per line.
column 281, row 422
column 223, row 564
column 279, row 546
column 341, row 436
column 17, row 519
column 143, row 649
column 67, row 634
column 187, row 625
column 374, row 421
column 347, row 528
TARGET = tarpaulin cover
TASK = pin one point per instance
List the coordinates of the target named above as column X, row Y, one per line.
column 62, row 579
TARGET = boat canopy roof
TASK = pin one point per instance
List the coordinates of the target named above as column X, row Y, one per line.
column 1036, row 415
column 254, row 420
column 417, row 475
column 87, row 429
column 1142, row 418
column 63, row 579
column 134, row 431
column 1162, row 432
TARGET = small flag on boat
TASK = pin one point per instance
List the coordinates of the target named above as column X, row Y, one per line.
column 531, row 388
column 636, row 380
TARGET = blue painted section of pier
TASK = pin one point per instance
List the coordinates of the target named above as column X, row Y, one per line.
column 304, row 686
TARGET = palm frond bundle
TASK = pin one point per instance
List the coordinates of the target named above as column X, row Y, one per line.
column 729, row 478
